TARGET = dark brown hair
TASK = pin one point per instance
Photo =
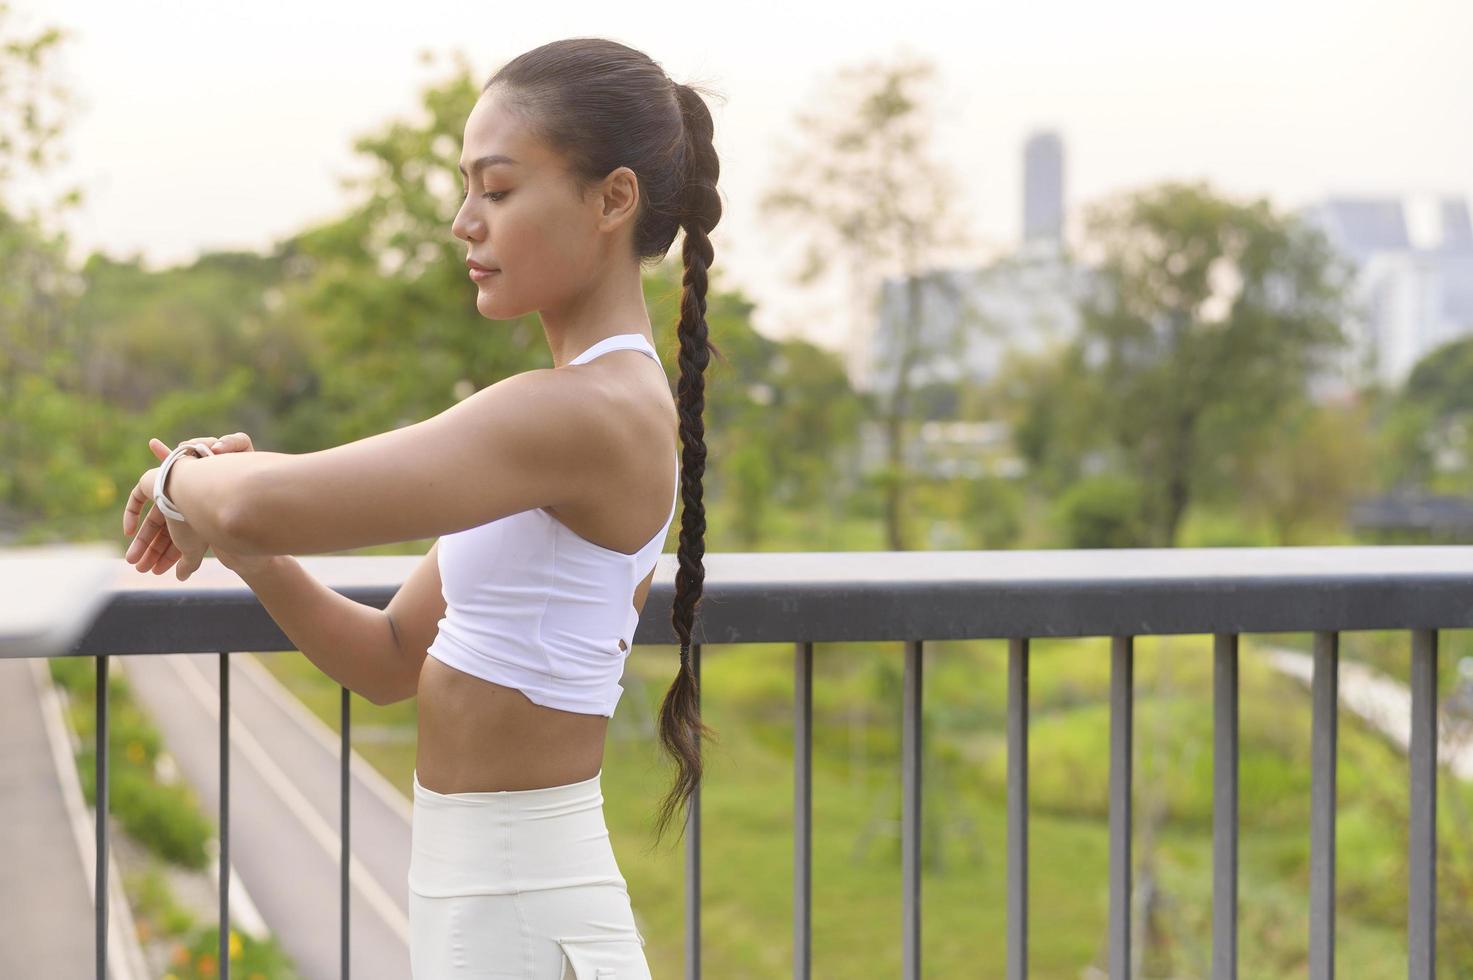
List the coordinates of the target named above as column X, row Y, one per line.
column 604, row 105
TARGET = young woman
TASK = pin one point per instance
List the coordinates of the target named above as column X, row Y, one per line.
column 550, row 494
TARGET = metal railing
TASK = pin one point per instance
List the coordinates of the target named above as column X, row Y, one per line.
column 916, row 597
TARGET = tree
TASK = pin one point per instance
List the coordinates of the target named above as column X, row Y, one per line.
column 1307, row 476
column 1208, row 319
column 37, row 327
column 382, row 288
column 864, row 188
column 1428, row 424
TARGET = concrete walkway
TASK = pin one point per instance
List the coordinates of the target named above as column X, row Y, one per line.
column 47, row 852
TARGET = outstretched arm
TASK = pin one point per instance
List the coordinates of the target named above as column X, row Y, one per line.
column 534, row 439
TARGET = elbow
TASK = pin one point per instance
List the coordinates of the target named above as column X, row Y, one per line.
column 392, row 695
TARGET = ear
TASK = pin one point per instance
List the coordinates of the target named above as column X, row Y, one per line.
column 618, row 198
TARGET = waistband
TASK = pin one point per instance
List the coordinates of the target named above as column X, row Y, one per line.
column 510, row 841
column 543, row 800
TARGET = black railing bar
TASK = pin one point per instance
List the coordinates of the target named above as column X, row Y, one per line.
column 910, row 812
column 346, row 753
column 1225, row 806
column 1017, row 924
column 224, row 816
column 693, row 856
column 1122, row 699
column 802, row 809
column 1323, row 809
column 1422, row 829
column 99, row 794
column 893, row 596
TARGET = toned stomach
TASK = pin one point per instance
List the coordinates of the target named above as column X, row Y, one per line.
column 479, row 736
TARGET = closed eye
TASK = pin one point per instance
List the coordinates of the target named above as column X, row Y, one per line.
column 493, row 196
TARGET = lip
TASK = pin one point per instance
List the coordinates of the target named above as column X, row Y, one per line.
column 479, row 274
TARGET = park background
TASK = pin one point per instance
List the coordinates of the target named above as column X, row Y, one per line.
column 203, row 234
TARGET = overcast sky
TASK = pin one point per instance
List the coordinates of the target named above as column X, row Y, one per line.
column 206, row 124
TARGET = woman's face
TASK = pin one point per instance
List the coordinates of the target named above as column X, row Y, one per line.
column 521, row 217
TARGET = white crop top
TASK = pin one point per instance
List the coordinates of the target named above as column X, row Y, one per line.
column 532, row 605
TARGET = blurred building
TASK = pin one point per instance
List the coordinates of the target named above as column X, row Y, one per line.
column 1043, row 187
column 966, row 320
column 1413, row 287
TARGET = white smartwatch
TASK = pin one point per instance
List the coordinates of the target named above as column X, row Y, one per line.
column 162, row 502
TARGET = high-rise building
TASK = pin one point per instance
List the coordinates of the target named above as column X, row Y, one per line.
column 1410, row 296
column 1043, row 187
column 966, row 320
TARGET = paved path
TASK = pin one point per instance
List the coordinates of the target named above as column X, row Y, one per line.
column 284, row 820
column 1385, row 703
column 47, row 856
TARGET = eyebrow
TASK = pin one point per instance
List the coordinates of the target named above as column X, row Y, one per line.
column 487, row 161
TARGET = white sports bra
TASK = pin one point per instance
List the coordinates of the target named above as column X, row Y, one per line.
column 532, row 605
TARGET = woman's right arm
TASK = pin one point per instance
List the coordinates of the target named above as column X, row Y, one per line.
column 350, row 642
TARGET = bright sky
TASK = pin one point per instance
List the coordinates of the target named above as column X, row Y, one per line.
column 206, row 124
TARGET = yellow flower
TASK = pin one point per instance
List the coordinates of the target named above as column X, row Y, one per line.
column 235, row 945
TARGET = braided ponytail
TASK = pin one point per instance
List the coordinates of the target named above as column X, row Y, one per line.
column 605, row 105
column 680, row 725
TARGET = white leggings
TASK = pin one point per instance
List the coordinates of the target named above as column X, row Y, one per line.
column 519, row 885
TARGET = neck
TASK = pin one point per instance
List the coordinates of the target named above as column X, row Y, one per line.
column 610, row 307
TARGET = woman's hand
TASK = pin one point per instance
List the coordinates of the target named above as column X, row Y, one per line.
column 160, row 541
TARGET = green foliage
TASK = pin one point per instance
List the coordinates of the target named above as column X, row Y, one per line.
column 152, row 901
column 165, row 818
column 1429, row 423
column 1208, row 320
column 250, row 958
column 992, row 512
column 1102, row 511
column 1301, row 483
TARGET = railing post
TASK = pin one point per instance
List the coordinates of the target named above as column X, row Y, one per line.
column 693, row 856
column 224, row 856
column 1324, row 693
column 1225, row 806
column 802, row 809
column 1017, row 808
column 1422, row 836
column 1122, row 698
column 100, row 811
column 344, row 854
column 910, row 812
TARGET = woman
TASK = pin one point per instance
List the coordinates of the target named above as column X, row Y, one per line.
column 549, row 493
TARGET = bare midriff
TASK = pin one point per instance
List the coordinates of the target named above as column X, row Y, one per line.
column 479, row 736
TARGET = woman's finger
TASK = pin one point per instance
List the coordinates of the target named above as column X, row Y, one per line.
column 132, row 510
column 146, row 531
column 156, row 547
column 169, row 557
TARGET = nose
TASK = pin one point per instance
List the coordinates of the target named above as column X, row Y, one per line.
column 467, row 226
